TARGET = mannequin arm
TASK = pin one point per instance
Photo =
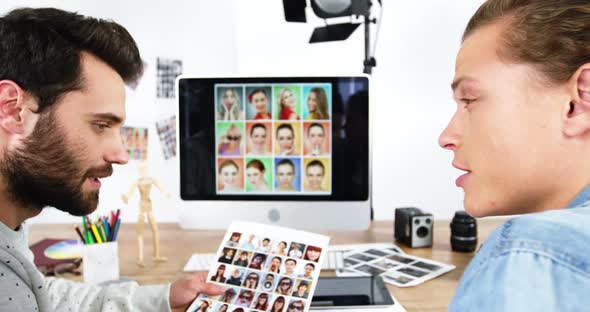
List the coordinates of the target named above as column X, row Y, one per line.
column 160, row 187
column 125, row 196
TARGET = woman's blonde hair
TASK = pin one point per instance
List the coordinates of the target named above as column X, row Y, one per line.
column 551, row 35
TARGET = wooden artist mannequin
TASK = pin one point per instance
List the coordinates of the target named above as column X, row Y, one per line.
column 144, row 185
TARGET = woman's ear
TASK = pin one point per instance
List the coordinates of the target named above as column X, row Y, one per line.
column 577, row 116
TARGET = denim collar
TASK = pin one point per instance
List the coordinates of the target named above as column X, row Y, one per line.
column 581, row 198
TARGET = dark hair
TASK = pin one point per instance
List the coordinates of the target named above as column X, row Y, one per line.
column 40, row 50
column 257, row 125
column 553, row 36
column 312, row 265
column 315, row 124
column 285, row 126
column 254, row 92
column 316, row 163
column 292, row 260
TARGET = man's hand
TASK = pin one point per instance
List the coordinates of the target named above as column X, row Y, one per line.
column 185, row 290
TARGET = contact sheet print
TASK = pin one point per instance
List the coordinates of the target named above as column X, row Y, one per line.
column 264, row 268
column 273, row 139
column 392, row 264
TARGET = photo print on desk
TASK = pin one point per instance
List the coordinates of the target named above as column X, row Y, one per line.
column 392, row 264
column 166, row 72
column 254, row 266
column 167, row 133
column 136, row 142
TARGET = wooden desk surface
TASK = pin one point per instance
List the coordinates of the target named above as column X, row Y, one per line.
column 178, row 245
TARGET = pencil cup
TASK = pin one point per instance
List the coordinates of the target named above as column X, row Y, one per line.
column 101, row 262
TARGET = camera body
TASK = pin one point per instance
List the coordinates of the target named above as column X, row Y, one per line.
column 413, row 227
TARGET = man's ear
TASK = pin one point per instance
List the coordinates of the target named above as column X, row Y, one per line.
column 13, row 107
column 577, row 115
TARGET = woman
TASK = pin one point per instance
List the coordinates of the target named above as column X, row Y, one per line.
column 285, row 137
column 230, row 106
column 245, row 298
column 281, row 249
column 259, row 99
column 227, row 256
column 314, row 174
column 218, row 277
column 315, row 139
column 317, row 104
column 275, row 265
column 203, row 307
column 255, row 172
column 261, row 302
column 228, row 295
column 278, row 305
column 230, row 144
column 223, row 308
column 251, row 281
column 229, row 175
column 285, row 286
column 313, row 253
column 285, row 175
column 258, row 140
column 234, row 239
column 287, row 105
column 257, row 261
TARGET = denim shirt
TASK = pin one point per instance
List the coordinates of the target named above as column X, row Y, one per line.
column 535, row 262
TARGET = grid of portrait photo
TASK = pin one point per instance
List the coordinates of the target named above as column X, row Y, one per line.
column 264, row 272
column 273, row 138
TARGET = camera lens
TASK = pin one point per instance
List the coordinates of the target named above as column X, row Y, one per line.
column 422, row 231
column 268, row 285
column 463, row 232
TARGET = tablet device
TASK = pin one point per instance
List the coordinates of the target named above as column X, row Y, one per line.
column 351, row 292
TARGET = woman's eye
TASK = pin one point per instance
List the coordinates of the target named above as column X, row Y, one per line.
column 467, row 102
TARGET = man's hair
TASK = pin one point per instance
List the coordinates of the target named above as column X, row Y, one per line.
column 40, row 51
column 553, row 36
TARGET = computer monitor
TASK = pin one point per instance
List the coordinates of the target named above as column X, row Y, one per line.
column 292, row 151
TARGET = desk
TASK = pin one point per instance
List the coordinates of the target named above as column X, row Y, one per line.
column 178, row 245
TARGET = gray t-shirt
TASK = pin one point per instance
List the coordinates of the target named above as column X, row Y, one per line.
column 24, row 288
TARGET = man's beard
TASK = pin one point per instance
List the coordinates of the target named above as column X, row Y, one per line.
column 46, row 171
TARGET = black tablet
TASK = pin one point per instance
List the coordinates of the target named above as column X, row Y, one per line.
column 354, row 292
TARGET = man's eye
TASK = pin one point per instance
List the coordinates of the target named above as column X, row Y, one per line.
column 100, row 126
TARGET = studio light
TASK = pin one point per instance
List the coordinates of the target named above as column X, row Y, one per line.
column 328, row 9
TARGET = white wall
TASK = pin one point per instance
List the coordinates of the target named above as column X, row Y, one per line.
column 411, row 97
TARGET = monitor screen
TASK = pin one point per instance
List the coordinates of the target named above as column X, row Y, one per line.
column 296, row 139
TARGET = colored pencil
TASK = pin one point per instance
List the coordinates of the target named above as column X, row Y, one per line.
column 116, row 231
column 80, row 234
column 96, row 234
